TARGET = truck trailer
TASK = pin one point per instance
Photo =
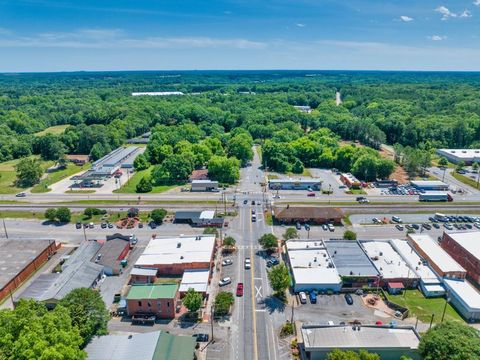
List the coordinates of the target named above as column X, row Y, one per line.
column 435, row 196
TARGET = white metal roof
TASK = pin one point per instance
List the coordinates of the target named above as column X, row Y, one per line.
column 465, row 292
column 436, row 254
column 466, row 154
column 207, row 182
column 157, row 93
column 299, row 181
column 470, row 241
column 143, row 272
column 428, row 183
column 196, row 279
column 207, row 214
column 305, row 244
column 177, row 250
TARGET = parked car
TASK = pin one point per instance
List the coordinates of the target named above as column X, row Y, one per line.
column 247, row 263
column 426, row 226
column 240, row 289
column 225, row 281
column 78, row 225
column 349, row 299
column 22, row 194
column 110, row 225
column 331, row 227
column 448, row 226
column 140, row 225
column 201, row 337
column 272, row 262
column 307, row 227
column 245, row 202
column 313, row 297
column 303, row 297
column 415, row 226
column 399, row 227
column 91, row 225
column 325, row 227
column 330, row 323
column 436, row 226
column 227, row 262
column 298, row 226
column 253, row 202
column 103, row 225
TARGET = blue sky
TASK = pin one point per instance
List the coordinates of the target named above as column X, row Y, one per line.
column 51, row 35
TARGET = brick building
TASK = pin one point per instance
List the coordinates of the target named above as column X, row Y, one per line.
column 465, row 249
column 157, row 300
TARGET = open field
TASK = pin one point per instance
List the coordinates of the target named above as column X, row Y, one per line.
column 8, row 176
column 56, row 176
column 423, row 308
column 130, row 186
column 55, row 130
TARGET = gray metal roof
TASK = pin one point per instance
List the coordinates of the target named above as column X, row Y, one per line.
column 188, row 215
column 349, row 258
column 143, row 272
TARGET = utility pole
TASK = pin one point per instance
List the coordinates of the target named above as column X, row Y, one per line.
column 5, row 228
column 211, row 321
column 431, row 321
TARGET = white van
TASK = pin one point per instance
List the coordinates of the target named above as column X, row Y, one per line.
column 303, row 297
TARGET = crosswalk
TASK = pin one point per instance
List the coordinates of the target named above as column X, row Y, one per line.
column 247, row 247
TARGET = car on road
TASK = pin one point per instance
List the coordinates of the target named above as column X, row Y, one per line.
column 409, row 227
column 396, row 219
column 78, row 225
column 298, row 226
column 247, row 263
column 399, row 227
column 253, row 202
column 201, row 337
column 311, row 194
column 303, row 297
column 376, row 220
column 330, row 323
column 313, row 297
column 254, row 218
column 240, row 289
column 245, row 202
column 227, row 262
column 272, row 262
column 349, row 299
column 22, row 194
column 253, row 211
column 225, row 281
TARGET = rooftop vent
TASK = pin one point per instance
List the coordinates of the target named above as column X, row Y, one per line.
column 181, row 257
column 315, row 259
column 179, row 244
column 130, row 336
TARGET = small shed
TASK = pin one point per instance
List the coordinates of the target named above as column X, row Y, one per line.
column 395, row 287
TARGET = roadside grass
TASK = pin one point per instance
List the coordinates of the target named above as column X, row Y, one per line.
column 58, row 175
column 13, row 214
column 272, row 176
column 356, row 192
column 465, row 179
column 436, row 158
column 423, row 308
column 130, row 186
column 305, row 172
column 55, row 130
column 8, row 175
column 346, row 221
column 269, row 218
column 80, row 192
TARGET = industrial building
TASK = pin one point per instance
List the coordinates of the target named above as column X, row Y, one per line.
column 437, row 258
column 204, row 185
column 464, row 297
column 197, row 280
column 112, row 162
column 113, row 251
column 77, row 271
column 311, row 266
column 200, row 218
column 172, row 256
column 155, row 345
column 159, row 300
column 350, row 181
column 294, row 184
column 389, row 343
column 465, row 249
column 429, row 185
column 19, row 259
column 307, row 214
column 468, row 156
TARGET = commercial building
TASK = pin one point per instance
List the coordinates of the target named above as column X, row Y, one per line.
column 307, row 214
column 158, row 93
column 77, row 272
column 352, row 263
column 468, row 156
column 201, row 174
column 197, row 280
column 143, row 276
column 386, row 183
column 350, row 181
column 311, row 266
column 427, row 185
column 113, row 251
column 156, row 345
column 465, row 249
column 204, row 185
column 200, row 218
column 464, row 297
column 19, row 259
column 389, row 343
column 113, row 161
column 438, row 259
column 303, row 108
column 294, row 184
column 172, row 256
column 159, row 300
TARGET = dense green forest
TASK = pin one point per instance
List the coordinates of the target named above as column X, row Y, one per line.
column 413, row 109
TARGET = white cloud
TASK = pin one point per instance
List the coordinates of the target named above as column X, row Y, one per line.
column 300, row 25
column 447, row 14
column 476, row 2
column 465, row 14
column 408, row 18
column 437, row 38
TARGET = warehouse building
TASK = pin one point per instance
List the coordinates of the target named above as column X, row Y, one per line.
column 19, row 259
column 172, row 256
column 204, row 185
column 294, row 184
column 112, row 162
column 468, row 156
column 465, row 249
column 311, row 266
column 307, row 214
column 437, row 258
column 159, row 300
column 464, row 297
column 155, row 345
column 200, row 218
column 427, row 185
column 389, row 343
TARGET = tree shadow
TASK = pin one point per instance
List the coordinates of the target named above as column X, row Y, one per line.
column 273, row 304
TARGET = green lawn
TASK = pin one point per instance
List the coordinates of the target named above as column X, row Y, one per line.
column 305, row 172
column 356, row 192
column 465, row 179
column 130, row 186
column 55, row 130
column 58, row 175
column 423, row 308
column 8, row 176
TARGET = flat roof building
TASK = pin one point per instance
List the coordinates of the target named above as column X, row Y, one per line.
column 349, row 180
column 294, row 184
column 439, row 260
column 200, row 218
column 468, row 156
column 197, row 280
column 389, row 343
column 19, row 259
column 159, row 300
column 113, row 161
column 350, row 259
column 311, row 266
column 429, row 185
column 113, row 251
column 307, row 214
column 464, row 297
column 464, row 247
column 172, row 256
column 204, row 185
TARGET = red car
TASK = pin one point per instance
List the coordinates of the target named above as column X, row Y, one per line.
column 311, row 194
column 240, row 289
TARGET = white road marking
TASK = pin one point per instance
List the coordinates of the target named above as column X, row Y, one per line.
column 258, row 292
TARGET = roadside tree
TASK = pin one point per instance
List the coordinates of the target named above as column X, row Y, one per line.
column 269, row 242
column 290, row 233
column 141, row 163
column 223, row 169
column 144, row 185
column 350, row 235
column 279, row 279
column 157, row 215
column 443, row 162
column 28, row 171
column 64, row 214
column 460, row 166
column 338, row 354
column 192, row 300
column 229, row 241
column 51, row 214
column 223, row 301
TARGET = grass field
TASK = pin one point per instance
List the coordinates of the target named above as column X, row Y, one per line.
column 423, row 308
column 130, row 186
column 58, row 175
column 55, row 130
column 8, row 176
column 465, row 179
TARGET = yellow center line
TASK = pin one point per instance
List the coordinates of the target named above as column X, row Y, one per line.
column 252, row 262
